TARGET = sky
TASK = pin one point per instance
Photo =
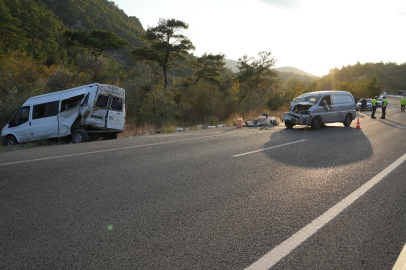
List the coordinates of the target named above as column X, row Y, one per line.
column 312, row 35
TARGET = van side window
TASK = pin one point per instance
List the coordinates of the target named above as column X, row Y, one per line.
column 102, row 101
column 45, row 110
column 20, row 117
column 336, row 99
column 117, row 104
column 326, row 98
column 70, row 103
column 347, row 99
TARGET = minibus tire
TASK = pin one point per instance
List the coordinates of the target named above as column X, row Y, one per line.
column 79, row 136
column 10, row 140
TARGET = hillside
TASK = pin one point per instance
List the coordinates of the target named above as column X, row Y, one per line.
column 285, row 73
column 100, row 14
column 294, row 70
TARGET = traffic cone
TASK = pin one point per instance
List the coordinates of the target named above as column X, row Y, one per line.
column 358, row 126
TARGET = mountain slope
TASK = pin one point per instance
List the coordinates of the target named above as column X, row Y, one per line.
column 294, row 70
column 100, row 15
column 286, row 73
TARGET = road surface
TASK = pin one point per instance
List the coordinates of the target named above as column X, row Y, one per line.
column 223, row 198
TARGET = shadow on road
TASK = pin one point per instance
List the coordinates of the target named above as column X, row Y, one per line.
column 391, row 123
column 331, row 146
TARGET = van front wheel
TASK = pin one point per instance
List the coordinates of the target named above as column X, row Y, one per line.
column 347, row 120
column 289, row 124
column 79, row 136
column 316, row 123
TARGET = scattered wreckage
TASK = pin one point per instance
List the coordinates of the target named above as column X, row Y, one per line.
column 89, row 111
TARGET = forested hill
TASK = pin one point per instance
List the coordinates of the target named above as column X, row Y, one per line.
column 103, row 15
column 37, row 27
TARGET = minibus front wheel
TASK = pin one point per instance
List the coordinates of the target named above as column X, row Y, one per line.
column 10, row 140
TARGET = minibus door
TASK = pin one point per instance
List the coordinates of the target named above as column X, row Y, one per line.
column 115, row 117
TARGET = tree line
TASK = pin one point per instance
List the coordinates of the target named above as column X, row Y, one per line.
column 167, row 84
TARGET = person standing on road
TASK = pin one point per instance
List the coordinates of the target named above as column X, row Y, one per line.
column 374, row 101
column 402, row 104
column 384, row 103
column 363, row 104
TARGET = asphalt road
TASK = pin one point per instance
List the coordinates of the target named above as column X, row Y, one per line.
column 212, row 199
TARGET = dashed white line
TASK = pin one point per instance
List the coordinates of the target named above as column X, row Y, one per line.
column 264, row 149
column 285, row 248
column 397, row 115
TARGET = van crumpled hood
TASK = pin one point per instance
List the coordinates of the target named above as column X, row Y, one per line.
column 300, row 108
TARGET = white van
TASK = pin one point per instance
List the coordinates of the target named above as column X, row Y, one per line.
column 317, row 108
column 90, row 111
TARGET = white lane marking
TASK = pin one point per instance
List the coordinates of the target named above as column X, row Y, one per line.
column 283, row 249
column 397, row 115
column 110, row 150
column 260, row 150
column 370, row 124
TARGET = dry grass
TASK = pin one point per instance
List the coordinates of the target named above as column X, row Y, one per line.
column 132, row 130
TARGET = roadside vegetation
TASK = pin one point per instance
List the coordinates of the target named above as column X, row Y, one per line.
column 166, row 85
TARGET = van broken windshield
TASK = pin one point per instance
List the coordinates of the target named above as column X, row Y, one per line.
column 308, row 98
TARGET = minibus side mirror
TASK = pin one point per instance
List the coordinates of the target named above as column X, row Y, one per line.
column 8, row 120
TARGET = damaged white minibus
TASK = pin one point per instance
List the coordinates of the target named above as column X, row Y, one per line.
column 90, row 111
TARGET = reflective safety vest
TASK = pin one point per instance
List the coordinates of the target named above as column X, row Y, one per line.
column 374, row 101
column 385, row 102
column 403, row 101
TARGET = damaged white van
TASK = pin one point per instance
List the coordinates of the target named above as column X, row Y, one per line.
column 90, row 111
column 317, row 108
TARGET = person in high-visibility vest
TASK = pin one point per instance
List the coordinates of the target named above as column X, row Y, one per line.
column 384, row 103
column 402, row 104
column 374, row 101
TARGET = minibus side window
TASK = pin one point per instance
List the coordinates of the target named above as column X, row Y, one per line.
column 70, row 103
column 102, row 101
column 117, row 104
column 45, row 110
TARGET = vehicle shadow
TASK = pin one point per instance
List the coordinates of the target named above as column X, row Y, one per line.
column 391, row 123
column 331, row 146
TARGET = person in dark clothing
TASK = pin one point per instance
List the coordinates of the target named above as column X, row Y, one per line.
column 363, row 104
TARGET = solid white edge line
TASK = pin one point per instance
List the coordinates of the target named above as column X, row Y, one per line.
column 400, row 263
column 264, row 149
column 286, row 247
column 110, row 150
